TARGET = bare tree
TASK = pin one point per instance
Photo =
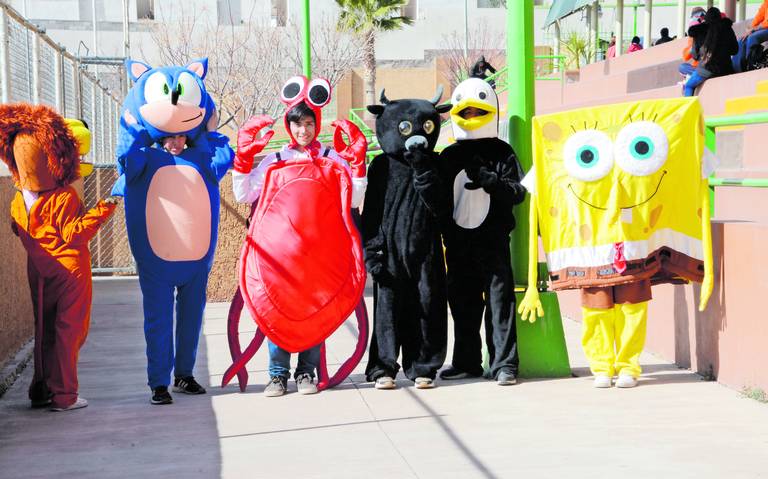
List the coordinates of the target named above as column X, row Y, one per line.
column 334, row 53
column 246, row 63
column 483, row 40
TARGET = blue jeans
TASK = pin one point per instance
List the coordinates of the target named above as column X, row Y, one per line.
column 686, row 69
column 755, row 38
column 692, row 83
column 280, row 361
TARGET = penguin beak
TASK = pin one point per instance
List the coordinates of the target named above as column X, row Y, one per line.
column 474, row 122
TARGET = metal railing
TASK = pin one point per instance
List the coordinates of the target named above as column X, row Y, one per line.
column 710, row 141
column 36, row 69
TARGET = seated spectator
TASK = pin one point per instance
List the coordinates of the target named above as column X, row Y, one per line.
column 689, row 63
column 611, row 52
column 714, row 55
column 664, row 37
column 635, row 45
column 750, row 43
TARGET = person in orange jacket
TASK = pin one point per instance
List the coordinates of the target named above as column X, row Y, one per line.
column 689, row 63
column 749, row 43
column 41, row 152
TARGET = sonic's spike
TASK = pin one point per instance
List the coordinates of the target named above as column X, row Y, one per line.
column 438, row 95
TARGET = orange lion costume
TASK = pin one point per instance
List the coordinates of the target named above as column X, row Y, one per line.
column 50, row 219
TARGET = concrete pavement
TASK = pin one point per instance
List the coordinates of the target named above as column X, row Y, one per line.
column 673, row 425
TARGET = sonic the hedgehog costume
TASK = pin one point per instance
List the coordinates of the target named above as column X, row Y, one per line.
column 171, row 206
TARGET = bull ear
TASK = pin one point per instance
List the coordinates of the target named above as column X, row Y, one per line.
column 376, row 110
column 444, row 108
column 135, row 69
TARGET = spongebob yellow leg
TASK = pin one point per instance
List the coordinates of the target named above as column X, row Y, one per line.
column 597, row 339
column 630, row 326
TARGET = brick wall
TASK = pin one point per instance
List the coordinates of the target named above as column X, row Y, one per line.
column 16, row 321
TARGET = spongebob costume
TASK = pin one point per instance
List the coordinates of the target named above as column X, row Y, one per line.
column 620, row 198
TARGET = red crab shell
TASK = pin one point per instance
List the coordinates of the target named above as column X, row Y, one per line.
column 301, row 268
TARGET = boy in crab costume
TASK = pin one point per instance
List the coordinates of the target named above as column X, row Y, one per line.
column 303, row 118
column 42, row 153
column 171, row 210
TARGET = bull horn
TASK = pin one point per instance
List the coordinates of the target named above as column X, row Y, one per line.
column 383, row 98
column 438, row 95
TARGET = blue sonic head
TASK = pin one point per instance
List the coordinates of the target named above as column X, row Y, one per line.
column 169, row 100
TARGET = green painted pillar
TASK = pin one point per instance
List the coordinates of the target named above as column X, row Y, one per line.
column 541, row 344
column 307, row 43
column 520, row 109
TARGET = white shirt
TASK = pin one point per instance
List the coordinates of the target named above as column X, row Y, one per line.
column 247, row 186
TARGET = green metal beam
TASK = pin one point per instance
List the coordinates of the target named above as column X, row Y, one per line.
column 307, row 43
column 520, row 110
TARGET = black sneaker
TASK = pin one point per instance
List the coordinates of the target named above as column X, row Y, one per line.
column 160, row 395
column 453, row 373
column 187, row 385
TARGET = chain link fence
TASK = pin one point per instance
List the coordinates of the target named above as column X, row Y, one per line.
column 35, row 69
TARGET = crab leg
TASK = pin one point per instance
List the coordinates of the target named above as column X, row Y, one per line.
column 233, row 336
column 350, row 364
column 243, row 359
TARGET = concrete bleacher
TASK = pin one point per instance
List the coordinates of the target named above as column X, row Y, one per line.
column 727, row 341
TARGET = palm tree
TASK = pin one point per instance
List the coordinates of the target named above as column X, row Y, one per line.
column 366, row 18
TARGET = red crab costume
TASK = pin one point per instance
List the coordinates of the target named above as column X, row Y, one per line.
column 49, row 218
column 301, row 270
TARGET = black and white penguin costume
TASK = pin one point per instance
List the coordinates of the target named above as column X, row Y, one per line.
column 401, row 240
column 482, row 176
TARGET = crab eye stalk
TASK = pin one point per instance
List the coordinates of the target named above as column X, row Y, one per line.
column 319, row 92
column 293, row 88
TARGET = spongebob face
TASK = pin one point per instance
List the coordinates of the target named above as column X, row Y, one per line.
column 628, row 173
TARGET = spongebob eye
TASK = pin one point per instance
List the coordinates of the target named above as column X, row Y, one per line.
column 156, row 88
column 588, row 155
column 641, row 148
column 405, row 127
column 429, row 127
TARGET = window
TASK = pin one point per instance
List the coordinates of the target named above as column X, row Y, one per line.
column 145, row 9
column 491, row 3
column 279, row 13
column 410, row 10
column 229, row 12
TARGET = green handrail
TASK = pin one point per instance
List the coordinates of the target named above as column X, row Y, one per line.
column 710, row 141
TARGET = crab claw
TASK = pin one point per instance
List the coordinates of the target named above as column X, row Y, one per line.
column 354, row 153
column 248, row 145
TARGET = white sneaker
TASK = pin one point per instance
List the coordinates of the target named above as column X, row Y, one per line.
column 305, row 384
column 424, row 383
column 626, row 381
column 78, row 404
column 602, row 382
column 385, row 382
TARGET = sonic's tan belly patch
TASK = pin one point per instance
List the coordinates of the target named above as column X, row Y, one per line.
column 178, row 214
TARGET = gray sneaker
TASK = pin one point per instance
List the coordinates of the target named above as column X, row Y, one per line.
column 277, row 386
column 506, row 378
column 305, row 384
